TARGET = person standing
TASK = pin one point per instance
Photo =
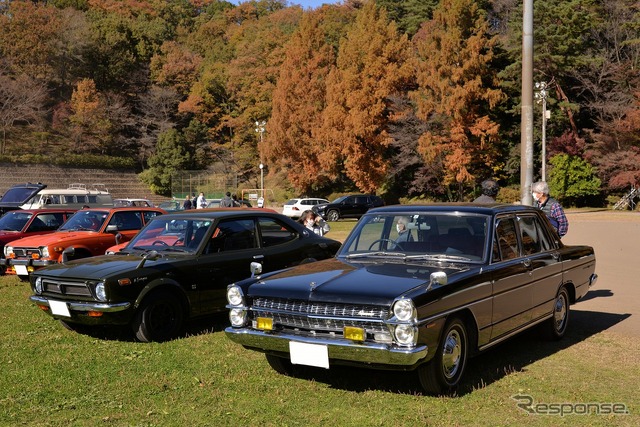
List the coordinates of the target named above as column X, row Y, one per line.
column 314, row 222
column 490, row 190
column 202, row 202
column 227, row 201
column 186, row 205
column 550, row 206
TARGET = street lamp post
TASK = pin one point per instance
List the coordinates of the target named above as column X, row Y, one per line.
column 541, row 97
column 260, row 128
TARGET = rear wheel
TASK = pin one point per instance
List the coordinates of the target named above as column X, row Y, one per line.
column 333, row 215
column 160, row 318
column 556, row 327
column 443, row 373
column 279, row 364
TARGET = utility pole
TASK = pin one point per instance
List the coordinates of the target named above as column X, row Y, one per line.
column 526, row 121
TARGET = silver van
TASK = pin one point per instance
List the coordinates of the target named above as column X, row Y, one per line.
column 76, row 197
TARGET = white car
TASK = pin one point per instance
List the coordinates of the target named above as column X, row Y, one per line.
column 294, row 207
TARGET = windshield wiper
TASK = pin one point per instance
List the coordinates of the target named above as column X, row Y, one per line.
column 379, row 253
column 438, row 256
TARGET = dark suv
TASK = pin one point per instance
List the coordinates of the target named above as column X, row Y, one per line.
column 352, row 206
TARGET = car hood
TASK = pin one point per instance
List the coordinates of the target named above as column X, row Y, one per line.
column 341, row 281
column 102, row 266
column 53, row 238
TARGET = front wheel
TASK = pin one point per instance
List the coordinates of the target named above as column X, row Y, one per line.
column 159, row 318
column 556, row 327
column 279, row 364
column 333, row 216
column 443, row 373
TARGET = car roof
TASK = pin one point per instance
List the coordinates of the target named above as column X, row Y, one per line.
column 212, row 213
column 124, row 209
column 54, row 210
column 468, row 207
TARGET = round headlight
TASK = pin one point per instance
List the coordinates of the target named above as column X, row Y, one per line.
column 44, row 250
column 237, row 317
column 101, row 292
column 38, row 285
column 234, row 296
column 404, row 310
column 406, row 334
column 8, row 250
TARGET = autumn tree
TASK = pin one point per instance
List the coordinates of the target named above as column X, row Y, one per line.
column 29, row 33
column 458, row 89
column 88, row 120
column 373, row 63
column 22, row 101
column 293, row 144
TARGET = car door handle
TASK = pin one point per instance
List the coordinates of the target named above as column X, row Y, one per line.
column 258, row 257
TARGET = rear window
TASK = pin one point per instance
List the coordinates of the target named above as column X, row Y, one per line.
column 291, row 202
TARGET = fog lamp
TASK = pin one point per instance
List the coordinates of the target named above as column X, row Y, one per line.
column 264, row 323
column 354, row 334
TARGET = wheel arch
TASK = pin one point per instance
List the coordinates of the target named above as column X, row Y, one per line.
column 164, row 285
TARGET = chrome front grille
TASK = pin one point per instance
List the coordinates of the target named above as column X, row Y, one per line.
column 66, row 288
column 321, row 317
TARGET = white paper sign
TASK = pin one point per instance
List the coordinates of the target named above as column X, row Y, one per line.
column 21, row 270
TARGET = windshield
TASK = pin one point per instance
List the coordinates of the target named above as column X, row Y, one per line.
column 451, row 236
column 14, row 220
column 85, row 220
column 179, row 235
column 18, row 194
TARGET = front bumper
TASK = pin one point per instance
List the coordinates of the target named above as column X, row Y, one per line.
column 339, row 349
column 84, row 306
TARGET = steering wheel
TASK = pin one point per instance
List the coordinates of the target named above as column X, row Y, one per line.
column 160, row 242
column 382, row 240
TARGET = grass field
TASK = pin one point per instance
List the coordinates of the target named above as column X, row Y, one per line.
column 53, row 377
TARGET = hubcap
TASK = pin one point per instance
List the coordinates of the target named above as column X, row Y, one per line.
column 560, row 312
column 452, row 353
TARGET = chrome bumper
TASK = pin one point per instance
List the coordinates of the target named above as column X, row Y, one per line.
column 338, row 348
column 85, row 306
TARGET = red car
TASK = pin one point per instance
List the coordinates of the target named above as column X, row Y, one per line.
column 17, row 224
column 86, row 233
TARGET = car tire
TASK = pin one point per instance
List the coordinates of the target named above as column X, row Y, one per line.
column 333, row 215
column 443, row 373
column 556, row 327
column 160, row 318
column 279, row 364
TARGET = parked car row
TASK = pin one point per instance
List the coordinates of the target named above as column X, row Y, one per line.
column 413, row 288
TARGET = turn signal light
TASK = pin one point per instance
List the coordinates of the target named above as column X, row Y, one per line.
column 94, row 313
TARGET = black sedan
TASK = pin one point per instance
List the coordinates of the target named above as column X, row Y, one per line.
column 177, row 267
column 416, row 288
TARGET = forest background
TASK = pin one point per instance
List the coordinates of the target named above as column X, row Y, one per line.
column 412, row 100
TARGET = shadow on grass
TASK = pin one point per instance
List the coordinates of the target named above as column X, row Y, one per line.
column 513, row 355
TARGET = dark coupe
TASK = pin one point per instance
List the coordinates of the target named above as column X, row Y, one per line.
column 177, row 267
column 449, row 281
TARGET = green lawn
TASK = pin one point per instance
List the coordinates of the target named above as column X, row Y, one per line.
column 51, row 376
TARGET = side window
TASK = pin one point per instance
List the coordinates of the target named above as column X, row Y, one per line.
column 275, row 232
column 47, row 222
column 360, row 200
column 148, row 215
column 530, row 235
column 236, row 234
column 127, row 220
column 505, row 246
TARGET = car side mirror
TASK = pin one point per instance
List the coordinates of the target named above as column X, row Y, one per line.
column 68, row 252
column 256, row 268
column 112, row 228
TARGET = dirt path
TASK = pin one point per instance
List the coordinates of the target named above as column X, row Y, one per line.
column 615, row 298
